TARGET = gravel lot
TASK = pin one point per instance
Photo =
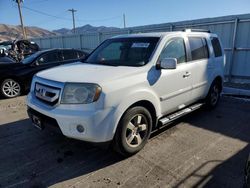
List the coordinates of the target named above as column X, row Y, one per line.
column 204, row 149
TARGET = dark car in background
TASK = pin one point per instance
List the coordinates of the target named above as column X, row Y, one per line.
column 15, row 78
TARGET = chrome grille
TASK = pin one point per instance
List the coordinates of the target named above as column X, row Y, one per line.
column 47, row 94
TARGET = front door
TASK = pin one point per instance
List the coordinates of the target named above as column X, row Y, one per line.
column 174, row 86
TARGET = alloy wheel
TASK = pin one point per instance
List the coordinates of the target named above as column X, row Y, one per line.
column 136, row 130
column 214, row 95
column 11, row 88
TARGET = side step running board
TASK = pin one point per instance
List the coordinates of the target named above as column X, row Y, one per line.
column 176, row 115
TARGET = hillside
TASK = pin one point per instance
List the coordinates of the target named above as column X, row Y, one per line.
column 11, row 32
column 86, row 28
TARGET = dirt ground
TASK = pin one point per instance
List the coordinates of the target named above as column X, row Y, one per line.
column 204, row 149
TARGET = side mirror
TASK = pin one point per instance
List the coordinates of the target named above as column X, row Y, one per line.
column 168, row 63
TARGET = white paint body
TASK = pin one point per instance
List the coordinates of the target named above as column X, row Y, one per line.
column 122, row 86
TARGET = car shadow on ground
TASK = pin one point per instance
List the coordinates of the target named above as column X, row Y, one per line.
column 233, row 124
column 33, row 158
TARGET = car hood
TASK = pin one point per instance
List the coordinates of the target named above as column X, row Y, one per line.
column 90, row 73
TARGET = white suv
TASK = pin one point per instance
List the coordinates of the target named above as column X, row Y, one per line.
column 129, row 86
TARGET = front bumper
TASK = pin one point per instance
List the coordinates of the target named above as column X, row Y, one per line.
column 97, row 122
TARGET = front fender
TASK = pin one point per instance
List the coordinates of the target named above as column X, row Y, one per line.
column 130, row 99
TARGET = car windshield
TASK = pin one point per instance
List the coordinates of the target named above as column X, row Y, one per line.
column 134, row 51
column 30, row 58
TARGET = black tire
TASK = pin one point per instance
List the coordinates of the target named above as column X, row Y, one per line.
column 14, row 88
column 213, row 96
column 129, row 140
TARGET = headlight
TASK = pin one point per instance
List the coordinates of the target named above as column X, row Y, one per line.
column 80, row 93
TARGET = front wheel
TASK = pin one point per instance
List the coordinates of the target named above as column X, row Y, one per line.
column 10, row 88
column 213, row 96
column 133, row 131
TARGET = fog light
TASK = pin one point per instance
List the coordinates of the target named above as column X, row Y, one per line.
column 80, row 128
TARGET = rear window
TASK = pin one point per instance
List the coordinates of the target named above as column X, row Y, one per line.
column 81, row 54
column 199, row 48
column 70, row 54
column 216, row 47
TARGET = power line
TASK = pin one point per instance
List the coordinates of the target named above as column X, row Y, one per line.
column 68, row 19
column 100, row 20
column 43, row 13
column 37, row 2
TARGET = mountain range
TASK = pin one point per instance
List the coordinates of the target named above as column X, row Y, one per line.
column 86, row 28
column 12, row 32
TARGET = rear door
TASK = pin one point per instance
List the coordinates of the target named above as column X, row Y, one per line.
column 202, row 66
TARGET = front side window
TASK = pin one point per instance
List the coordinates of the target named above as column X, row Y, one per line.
column 199, row 48
column 134, row 51
column 175, row 48
column 51, row 57
column 216, row 47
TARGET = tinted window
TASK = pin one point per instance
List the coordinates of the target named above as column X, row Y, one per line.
column 48, row 58
column 199, row 49
column 112, row 52
column 70, row 54
column 81, row 54
column 175, row 48
column 216, row 47
column 133, row 51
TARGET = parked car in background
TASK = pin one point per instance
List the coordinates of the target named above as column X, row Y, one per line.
column 128, row 86
column 15, row 78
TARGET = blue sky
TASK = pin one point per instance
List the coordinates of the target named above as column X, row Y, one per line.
column 109, row 12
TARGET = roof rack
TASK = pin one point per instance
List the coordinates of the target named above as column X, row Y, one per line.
column 196, row 30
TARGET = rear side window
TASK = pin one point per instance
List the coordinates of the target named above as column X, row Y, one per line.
column 198, row 47
column 216, row 47
column 70, row 54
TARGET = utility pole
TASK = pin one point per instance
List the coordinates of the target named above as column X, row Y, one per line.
column 124, row 21
column 21, row 17
column 73, row 16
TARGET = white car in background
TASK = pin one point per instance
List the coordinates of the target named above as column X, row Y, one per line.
column 128, row 86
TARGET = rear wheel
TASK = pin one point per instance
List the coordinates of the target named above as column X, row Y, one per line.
column 133, row 131
column 10, row 88
column 213, row 96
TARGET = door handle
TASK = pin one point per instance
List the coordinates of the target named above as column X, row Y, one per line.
column 187, row 74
